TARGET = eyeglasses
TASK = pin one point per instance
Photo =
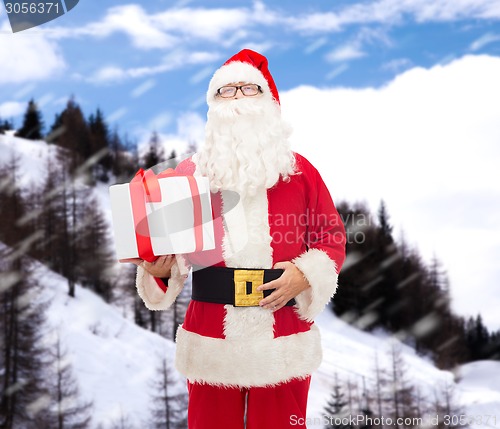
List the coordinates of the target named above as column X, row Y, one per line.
column 247, row 90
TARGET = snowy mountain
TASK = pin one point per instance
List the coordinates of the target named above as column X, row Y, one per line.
column 115, row 361
column 32, row 154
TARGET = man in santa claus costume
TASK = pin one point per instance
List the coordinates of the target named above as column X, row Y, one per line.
column 248, row 344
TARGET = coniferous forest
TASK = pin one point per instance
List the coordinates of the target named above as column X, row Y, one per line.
column 385, row 283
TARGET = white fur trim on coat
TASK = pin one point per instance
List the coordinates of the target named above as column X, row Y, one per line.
column 247, row 238
column 262, row 361
column 153, row 296
column 321, row 273
column 237, row 71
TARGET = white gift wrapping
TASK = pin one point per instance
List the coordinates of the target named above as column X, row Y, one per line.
column 170, row 223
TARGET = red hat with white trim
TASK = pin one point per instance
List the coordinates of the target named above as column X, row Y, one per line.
column 246, row 66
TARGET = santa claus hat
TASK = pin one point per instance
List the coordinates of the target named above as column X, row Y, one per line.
column 246, row 66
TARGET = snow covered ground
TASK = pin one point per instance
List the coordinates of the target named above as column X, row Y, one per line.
column 33, row 156
column 114, row 360
column 480, row 392
column 351, row 354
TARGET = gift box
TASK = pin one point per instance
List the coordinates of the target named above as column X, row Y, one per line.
column 162, row 214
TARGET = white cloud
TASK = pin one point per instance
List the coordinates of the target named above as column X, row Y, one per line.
column 394, row 11
column 172, row 61
column 117, row 114
column 112, row 74
column 130, row 19
column 160, row 121
column 262, row 47
column 426, row 143
column 201, row 74
column 172, row 26
column 190, row 129
column 44, row 100
column 180, row 25
column 345, row 53
column 25, row 91
column 27, row 57
column 9, row 109
column 483, row 41
column 397, row 64
column 208, row 24
column 314, row 46
column 317, row 22
column 143, row 88
column 341, row 68
column 354, row 48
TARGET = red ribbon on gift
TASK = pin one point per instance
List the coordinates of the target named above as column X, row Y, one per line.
column 145, row 187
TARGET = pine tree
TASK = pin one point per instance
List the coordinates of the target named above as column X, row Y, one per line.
column 402, row 391
column 67, row 231
column 32, row 124
column 383, row 220
column 394, row 303
column 77, row 244
column 58, row 220
column 23, row 392
column 125, row 160
column 123, row 422
column 100, row 146
column 92, row 246
column 168, row 408
column 447, row 408
column 73, row 135
column 47, row 197
column 56, row 129
column 355, row 298
column 11, row 203
column 492, row 349
column 154, row 154
column 5, row 125
column 365, row 407
column 477, row 337
column 336, row 408
column 66, row 411
column 381, row 383
column 191, row 149
column 387, row 284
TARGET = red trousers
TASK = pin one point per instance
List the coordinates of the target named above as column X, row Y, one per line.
column 276, row 407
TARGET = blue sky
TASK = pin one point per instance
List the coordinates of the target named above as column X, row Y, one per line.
column 141, row 60
column 375, row 90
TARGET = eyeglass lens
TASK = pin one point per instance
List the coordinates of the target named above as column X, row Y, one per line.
column 230, row 90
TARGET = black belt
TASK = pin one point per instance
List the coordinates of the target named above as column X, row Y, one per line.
column 235, row 286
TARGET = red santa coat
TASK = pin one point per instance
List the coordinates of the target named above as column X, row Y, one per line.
column 296, row 221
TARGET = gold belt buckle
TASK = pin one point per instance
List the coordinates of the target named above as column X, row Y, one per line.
column 246, row 283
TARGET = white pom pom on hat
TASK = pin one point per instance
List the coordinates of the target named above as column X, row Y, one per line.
column 246, row 66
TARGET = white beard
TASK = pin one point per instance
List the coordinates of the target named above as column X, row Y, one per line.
column 246, row 146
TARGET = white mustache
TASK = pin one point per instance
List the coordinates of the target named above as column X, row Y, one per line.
column 228, row 109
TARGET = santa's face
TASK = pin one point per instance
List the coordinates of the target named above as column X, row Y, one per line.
column 227, row 105
column 246, row 145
